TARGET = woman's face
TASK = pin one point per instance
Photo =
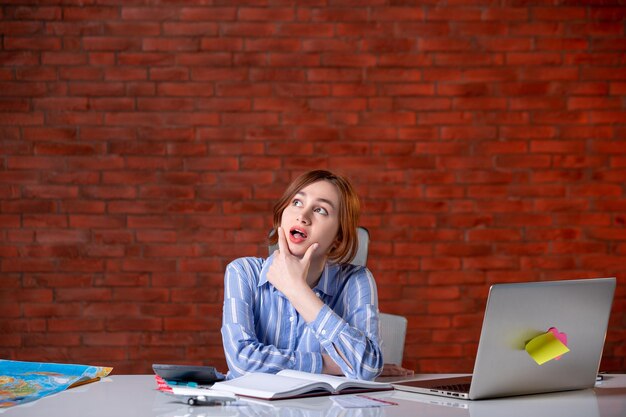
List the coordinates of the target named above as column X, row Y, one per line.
column 312, row 216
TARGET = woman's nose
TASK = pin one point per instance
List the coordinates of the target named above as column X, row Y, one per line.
column 303, row 218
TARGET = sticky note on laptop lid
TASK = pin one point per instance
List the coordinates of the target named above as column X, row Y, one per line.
column 547, row 346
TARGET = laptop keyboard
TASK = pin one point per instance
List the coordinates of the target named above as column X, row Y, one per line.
column 453, row 387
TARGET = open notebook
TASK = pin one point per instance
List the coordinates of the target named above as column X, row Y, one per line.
column 294, row 384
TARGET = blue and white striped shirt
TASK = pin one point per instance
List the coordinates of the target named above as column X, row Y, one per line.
column 263, row 332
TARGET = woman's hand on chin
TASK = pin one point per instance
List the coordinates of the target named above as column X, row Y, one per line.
column 288, row 273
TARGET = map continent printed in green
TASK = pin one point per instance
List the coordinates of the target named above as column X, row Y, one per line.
column 22, row 382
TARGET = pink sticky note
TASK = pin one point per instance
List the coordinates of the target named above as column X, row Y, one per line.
column 559, row 335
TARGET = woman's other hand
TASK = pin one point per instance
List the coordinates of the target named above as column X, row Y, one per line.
column 391, row 369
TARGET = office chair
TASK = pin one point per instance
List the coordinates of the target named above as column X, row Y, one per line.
column 392, row 328
column 392, row 335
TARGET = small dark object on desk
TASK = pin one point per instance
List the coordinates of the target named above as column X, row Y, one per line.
column 204, row 375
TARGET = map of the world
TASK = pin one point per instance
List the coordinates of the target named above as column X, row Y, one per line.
column 22, row 382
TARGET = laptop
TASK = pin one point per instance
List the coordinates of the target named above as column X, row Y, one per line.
column 579, row 403
column 517, row 313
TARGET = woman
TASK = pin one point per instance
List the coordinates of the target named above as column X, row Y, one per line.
column 305, row 307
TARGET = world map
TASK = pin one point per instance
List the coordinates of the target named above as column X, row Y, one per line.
column 22, row 382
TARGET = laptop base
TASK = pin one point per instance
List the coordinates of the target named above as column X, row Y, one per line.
column 457, row 387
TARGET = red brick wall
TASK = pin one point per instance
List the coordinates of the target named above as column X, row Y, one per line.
column 143, row 143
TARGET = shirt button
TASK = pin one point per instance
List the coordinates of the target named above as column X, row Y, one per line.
column 291, row 319
column 318, row 294
column 323, row 332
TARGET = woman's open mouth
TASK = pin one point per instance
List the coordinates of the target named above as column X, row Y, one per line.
column 297, row 235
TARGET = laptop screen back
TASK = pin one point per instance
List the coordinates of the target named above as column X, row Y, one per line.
column 517, row 313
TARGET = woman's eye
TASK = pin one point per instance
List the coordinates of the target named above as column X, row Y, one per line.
column 296, row 203
column 321, row 210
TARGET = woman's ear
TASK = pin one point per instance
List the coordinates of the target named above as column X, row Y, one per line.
column 336, row 244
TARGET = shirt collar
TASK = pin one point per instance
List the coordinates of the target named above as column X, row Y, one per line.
column 328, row 283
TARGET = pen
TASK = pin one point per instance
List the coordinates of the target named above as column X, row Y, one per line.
column 378, row 399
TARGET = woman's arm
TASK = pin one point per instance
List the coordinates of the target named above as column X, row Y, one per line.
column 351, row 341
column 244, row 352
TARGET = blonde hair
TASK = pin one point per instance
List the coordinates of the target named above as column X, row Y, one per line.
column 349, row 211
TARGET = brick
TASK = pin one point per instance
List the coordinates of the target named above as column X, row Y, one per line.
column 49, row 103
column 51, row 340
column 601, row 262
column 505, row 44
column 168, row 74
column 394, row 75
column 251, row 59
column 188, row 59
column 596, row 29
column 583, row 58
column 29, row 326
column 428, row 322
column 188, row 89
column 333, row 75
column 490, row 75
column 393, row 149
column 125, row 74
column 277, row 74
column 406, row 59
column 189, row 29
column 370, row 133
column 219, row 74
column 339, row 14
column 570, row 161
column 388, row 46
column 167, row 192
column 137, row 148
column 266, row 14
column 347, row 60
column 208, row 13
column 372, row 29
column 32, row 43
column 546, row 146
column 100, row 251
column 67, row 149
column 243, row 89
column 305, row 30
column 450, row 117
column 17, row 105
column 21, row 119
column 398, row 118
column 181, row 324
column 479, row 103
column 110, row 339
column 133, row 324
column 145, row 58
column 467, row 59
column 36, row 74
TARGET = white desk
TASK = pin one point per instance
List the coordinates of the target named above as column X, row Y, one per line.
column 136, row 396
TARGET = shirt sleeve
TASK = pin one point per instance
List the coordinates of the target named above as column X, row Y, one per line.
column 243, row 350
column 355, row 335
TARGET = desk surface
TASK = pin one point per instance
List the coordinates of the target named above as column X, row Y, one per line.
column 136, row 396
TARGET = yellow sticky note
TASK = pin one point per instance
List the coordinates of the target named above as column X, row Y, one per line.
column 545, row 347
